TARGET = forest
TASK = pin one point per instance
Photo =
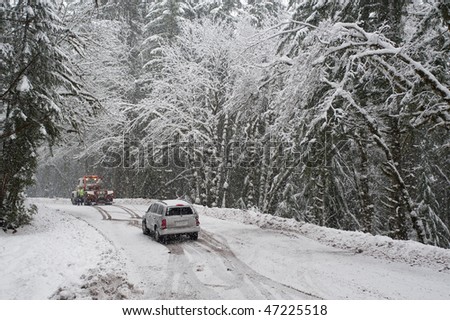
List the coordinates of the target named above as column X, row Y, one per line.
column 332, row 112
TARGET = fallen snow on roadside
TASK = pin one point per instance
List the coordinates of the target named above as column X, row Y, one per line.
column 107, row 280
column 60, row 257
column 136, row 201
column 382, row 247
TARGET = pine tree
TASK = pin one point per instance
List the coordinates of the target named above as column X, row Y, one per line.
column 218, row 10
column 36, row 85
column 163, row 24
column 263, row 11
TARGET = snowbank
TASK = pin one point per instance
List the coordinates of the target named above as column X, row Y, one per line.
column 382, row 247
column 137, row 201
column 60, row 257
column 106, row 281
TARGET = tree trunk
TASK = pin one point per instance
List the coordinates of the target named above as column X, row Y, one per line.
column 367, row 208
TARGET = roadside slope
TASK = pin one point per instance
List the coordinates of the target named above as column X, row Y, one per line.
column 60, row 257
column 380, row 247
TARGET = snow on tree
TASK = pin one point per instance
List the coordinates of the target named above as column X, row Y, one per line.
column 337, row 114
column 37, row 84
column 361, row 86
column 186, row 103
column 162, row 24
column 263, row 11
column 220, row 10
column 109, row 69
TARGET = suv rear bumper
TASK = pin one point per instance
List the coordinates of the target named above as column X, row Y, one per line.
column 172, row 231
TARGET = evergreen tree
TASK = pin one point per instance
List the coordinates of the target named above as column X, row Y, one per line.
column 38, row 87
column 218, row 10
column 163, row 24
column 263, row 11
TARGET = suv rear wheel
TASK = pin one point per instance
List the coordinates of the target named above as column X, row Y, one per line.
column 145, row 230
column 158, row 237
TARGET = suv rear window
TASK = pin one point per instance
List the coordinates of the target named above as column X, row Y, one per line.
column 179, row 211
column 160, row 209
column 153, row 208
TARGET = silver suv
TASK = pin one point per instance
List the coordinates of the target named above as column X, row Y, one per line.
column 170, row 217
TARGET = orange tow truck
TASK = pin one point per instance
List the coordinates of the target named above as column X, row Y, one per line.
column 93, row 191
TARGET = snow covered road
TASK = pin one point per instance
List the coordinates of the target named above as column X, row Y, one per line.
column 83, row 252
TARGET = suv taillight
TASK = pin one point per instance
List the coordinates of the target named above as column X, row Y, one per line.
column 197, row 222
column 163, row 224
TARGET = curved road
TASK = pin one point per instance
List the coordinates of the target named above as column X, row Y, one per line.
column 231, row 260
column 203, row 269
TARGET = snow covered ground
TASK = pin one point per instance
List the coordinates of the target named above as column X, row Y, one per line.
column 382, row 247
column 79, row 252
column 57, row 250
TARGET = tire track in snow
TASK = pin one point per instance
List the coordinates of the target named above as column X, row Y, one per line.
column 182, row 282
column 106, row 280
column 103, row 212
column 220, row 272
column 196, row 268
column 131, row 212
column 259, row 281
column 228, row 272
column 108, row 216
